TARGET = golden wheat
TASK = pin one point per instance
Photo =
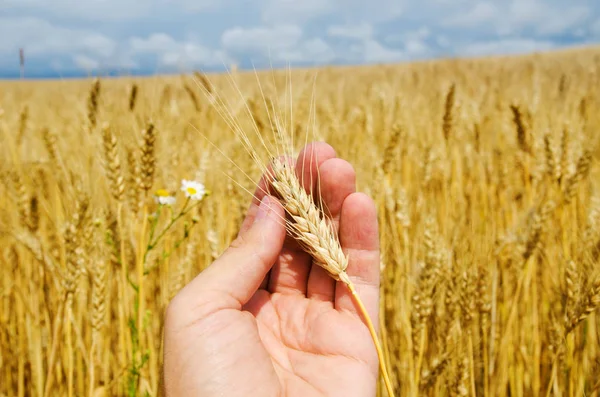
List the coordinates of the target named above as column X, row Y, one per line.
column 484, row 172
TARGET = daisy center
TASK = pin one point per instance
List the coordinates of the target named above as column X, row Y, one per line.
column 191, row 190
column 162, row 193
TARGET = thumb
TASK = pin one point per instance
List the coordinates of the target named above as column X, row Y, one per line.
column 232, row 279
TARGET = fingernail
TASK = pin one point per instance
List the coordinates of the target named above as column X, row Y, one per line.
column 263, row 209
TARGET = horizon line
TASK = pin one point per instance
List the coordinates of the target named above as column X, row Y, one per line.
column 76, row 74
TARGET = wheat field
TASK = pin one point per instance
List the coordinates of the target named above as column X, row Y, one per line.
column 484, row 171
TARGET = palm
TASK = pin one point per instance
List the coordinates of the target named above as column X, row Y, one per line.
column 299, row 333
column 305, row 339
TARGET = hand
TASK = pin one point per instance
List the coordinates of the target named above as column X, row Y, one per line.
column 262, row 320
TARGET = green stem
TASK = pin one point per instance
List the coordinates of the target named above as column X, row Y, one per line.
column 183, row 212
column 167, row 254
column 154, row 223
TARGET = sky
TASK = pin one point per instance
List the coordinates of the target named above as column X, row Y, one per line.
column 64, row 38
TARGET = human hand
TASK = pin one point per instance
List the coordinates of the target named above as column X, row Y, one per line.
column 263, row 320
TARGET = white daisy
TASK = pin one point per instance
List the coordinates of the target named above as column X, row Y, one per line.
column 163, row 197
column 192, row 189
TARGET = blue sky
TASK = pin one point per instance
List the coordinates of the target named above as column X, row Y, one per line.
column 80, row 37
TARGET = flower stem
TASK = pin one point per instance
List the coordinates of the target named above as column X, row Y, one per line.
column 183, row 212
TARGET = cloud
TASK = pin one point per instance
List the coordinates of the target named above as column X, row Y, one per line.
column 373, row 51
column 368, row 48
column 354, row 11
column 155, row 43
column 189, row 55
column 415, row 44
column 109, row 10
column 416, row 47
column 505, row 47
column 196, row 5
column 277, row 11
column 42, row 38
column 595, row 28
column 422, row 33
column 52, row 45
column 313, row 52
column 481, row 13
column 261, row 40
column 546, row 18
column 175, row 34
column 374, row 11
column 563, row 21
column 278, row 44
column 177, row 54
column 358, row 32
column 543, row 18
column 89, row 9
column 86, row 62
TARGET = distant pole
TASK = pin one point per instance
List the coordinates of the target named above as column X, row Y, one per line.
column 22, row 62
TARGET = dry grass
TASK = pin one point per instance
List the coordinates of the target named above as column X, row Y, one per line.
column 484, row 171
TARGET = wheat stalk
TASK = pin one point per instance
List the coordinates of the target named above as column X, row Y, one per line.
column 99, row 281
column 311, row 229
column 192, row 96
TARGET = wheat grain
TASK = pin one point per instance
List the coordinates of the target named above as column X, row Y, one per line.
column 308, row 225
column 133, row 95
column 92, row 105
column 448, row 118
column 23, row 124
column 521, row 129
column 113, row 164
column 581, row 172
column 147, row 158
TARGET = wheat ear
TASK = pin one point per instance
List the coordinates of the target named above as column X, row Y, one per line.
column 311, row 229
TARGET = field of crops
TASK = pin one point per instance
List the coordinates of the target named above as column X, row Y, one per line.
column 484, row 172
